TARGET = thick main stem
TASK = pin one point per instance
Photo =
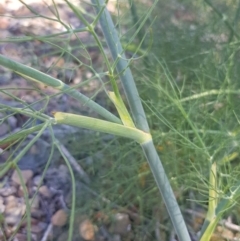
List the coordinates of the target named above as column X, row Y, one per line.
column 139, row 117
column 126, row 77
column 166, row 191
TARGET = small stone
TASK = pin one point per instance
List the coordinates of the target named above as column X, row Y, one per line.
column 36, row 213
column 35, row 237
column 4, row 155
column 12, row 121
column 121, row 224
column 68, row 199
column 216, row 237
column 26, row 175
column 2, row 206
column 11, row 201
column 8, row 231
column 4, row 128
column 38, row 227
column 20, row 191
column 13, row 215
column 34, row 150
column 20, row 237
column 33, row 222
column 36, row 232
column 37, row 180
column 63, row 236
column 10, row 198
column 63, row 168
column 59, row 218
column 218, row 105
column 7, row 191
column 116, row 237
column 224, row 233
column 44, row 190
column 87, row 230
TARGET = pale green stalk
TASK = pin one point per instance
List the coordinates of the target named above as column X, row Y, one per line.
column 226, row 202
column 73, row 204
column 102, row 126
column 39, row 77
column 26, row 111
column 208, row 93
column 210, row 221
column 118, row 55
column 122, row 110
column 139, row 117
column 26, row 199
column 91, row 30
column 28, row 146
column 42, row 37
column 13, row 163
column 20, row 134
column 217, row 207
column 28, row 209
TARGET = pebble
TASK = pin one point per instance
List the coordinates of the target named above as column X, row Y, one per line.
column 11, row 201
column 63, row 169
column 13, row 215
column 37, row 214
column 224, row 233
column 12, row 121
column 59, row 218
column 116, row 237
column 37, row 180
column 7, row 191
column 13, row 208
column 20, row 237
column 63, row 236
column 38, row 227
column 44, row 190
column 2, row 206
column 20, row 191
column 4, row 129
column 87, row 230
column 26, row 175
column 121, row 224
column 33, row 222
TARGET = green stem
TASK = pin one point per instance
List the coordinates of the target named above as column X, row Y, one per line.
column 126, row 77
column 20, row 134
column 226, row 202
column 139, row 117
column 90, row 29
column 73, row 204
column 42, row 37
column 166, row 191
column 39, row 77
column 102, row 126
